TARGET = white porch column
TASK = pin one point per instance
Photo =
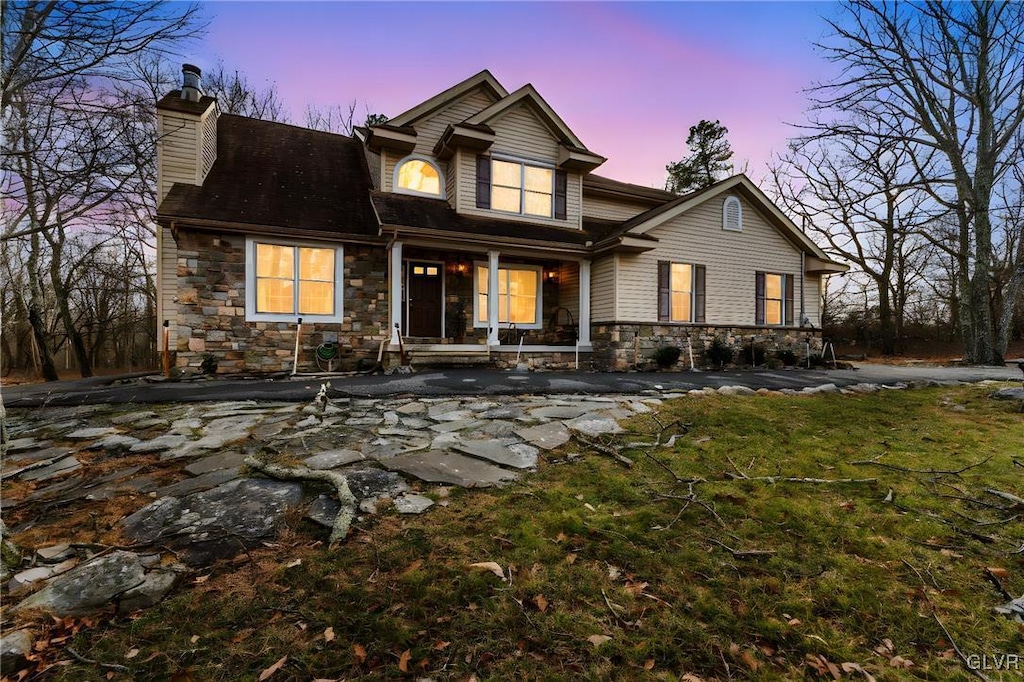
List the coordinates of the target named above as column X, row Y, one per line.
column 492, row 299
column 395, row 290
column 584, row 331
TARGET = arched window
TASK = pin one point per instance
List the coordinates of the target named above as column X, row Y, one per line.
column 732, row 214
column 419, row 176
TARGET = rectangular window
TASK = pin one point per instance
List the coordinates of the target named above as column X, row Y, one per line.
column 519, row 296
column 775, row 299
column 680, row 292
column 521, row 188
column 287, row 281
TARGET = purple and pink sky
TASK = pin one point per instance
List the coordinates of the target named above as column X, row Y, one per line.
column 629, row 79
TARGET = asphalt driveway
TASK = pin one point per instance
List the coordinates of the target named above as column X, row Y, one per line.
column 469, row 382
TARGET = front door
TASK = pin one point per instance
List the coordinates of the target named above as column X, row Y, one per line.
column 424, row 291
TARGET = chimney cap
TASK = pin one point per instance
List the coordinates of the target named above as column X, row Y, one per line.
column 191, row 68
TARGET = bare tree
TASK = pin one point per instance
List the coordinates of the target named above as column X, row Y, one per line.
column 857, row 194
column 69, row 159
column 236, row 95
column 336, row 118
column 945, row 81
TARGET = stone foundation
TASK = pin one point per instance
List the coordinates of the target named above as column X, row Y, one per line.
column 211, row 312
column 625, row 345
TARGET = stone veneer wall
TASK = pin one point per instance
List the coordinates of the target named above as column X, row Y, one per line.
column 211, row 311
column 617, row 346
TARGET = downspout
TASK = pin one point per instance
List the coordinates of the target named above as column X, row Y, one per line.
column 803, row 266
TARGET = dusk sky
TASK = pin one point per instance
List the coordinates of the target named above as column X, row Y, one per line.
column 629, row 79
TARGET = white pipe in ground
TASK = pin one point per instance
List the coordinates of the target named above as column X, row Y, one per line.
column 295, row 359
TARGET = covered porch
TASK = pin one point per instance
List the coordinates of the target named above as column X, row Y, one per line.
column 486, row 302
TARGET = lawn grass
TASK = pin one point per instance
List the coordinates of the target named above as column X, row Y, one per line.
column 638, row 573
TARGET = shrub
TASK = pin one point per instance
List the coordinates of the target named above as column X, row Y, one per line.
column 209, row 364
column 787, row 357
column 817, row 361
column 719, row 353
column 757, row 354
column 773, row 363
column 666, row 356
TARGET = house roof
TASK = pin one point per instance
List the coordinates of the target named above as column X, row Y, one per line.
column 738, row 184
column 436, row 217
column 529, row 95
column 602, row 185
column 280, row 176
column 484, row 80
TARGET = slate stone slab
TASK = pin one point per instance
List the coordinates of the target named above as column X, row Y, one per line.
column 454, row 415
column 454, row 469
column 1009, row 394
column 323, row 510
column 58, row 468
column 154, row 587
column 332, row 459
column 518, row 456
column 51, row 454
column 443, row 407
column 114, row 443
column 594, row 426
column 413, row 504
column 559, row 411
column 457, row 425
column 132, row 417
column 91, row 433
column 216, row 523
column 225, row 460
column 89, row 586
column 411, row 408
column 205, row 481
column 160, row 443
column 21, row 444
column 504, row 412
column 547, row 436
column 375, row 483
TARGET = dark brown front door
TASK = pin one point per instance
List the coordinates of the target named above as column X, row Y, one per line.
column 424, row 292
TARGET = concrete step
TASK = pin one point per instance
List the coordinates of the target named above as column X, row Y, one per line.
column 418, row 358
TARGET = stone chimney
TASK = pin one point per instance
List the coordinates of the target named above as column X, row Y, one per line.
column 190, row 89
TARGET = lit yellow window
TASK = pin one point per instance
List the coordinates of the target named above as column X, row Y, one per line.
column 682, row 292
column 773, row 299
column 519, row 188
column 292, row 280
column 518, row 293
column 419, row 176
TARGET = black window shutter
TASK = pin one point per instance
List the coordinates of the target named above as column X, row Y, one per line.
column 789, row 300
column 664, row 290
column 698, row 293
column 759, row 306
column 561, row 191
column 483, row 181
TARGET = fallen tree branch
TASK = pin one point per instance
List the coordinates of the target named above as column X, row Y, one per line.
column 348, row 501
column 935, row 472
column 88, row 661
column 604, row 450
column 788, row 479
column 973, row 669
column 743, row 553
column 1009, row 497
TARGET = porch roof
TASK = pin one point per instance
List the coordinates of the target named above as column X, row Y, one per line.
column 435, row 216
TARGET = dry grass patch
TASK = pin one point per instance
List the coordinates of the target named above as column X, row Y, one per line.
column 696, row 564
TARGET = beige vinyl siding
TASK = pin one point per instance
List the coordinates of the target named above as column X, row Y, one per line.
column 178, row 148
column 612, row 209
column 731, row 259
column 451, row 180
column 519, row 134
column 569, row 289
column 812, row 299
column 166, row 287
column 602, row 289
column 430, row 129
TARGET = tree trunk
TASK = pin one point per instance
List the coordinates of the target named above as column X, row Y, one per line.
column 60, row 293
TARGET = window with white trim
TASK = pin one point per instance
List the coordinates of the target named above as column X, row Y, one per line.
column 519, row 296
column 419, row 176
column 521, row 188
column 287, row 280
column 732, row 215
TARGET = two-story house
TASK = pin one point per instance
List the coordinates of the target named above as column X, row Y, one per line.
column 470, row 227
